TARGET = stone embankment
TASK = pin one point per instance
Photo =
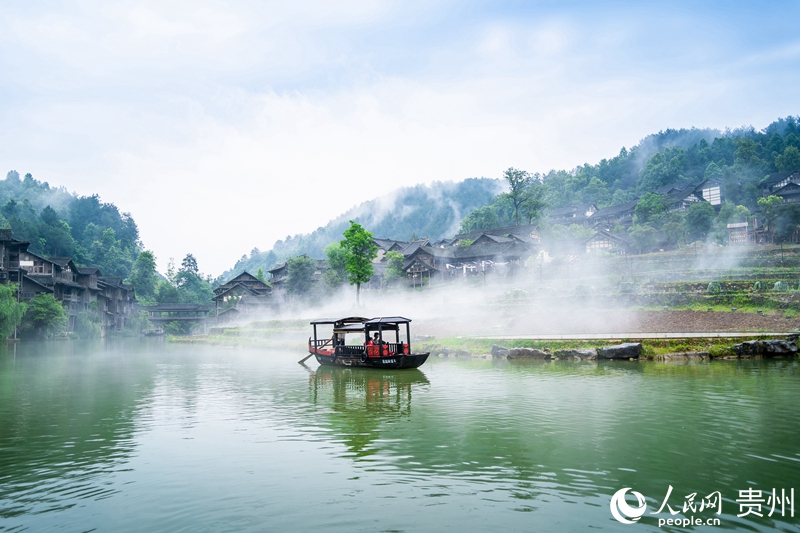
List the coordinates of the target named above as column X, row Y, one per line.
column 629, row 351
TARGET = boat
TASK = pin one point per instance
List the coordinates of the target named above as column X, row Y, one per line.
column 359, row 342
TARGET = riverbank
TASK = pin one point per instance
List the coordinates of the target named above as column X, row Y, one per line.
column 689, row 347
column 662, row 333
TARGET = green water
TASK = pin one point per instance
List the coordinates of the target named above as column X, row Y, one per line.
column 142, row 436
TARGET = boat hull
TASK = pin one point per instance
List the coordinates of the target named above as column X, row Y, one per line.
column 392, row 362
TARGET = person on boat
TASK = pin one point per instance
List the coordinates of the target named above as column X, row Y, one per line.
column 376, row 340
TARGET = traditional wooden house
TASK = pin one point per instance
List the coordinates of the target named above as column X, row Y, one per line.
column 774, row 182
column 277, row 275
column 679, row 196
column 504, row 256
column 606, row 242
column 247, row 294
column 76, row 288
column 739, row 234
column 115, row 302
column 526, row 233
column 790, row 193
column 573, row 214
column 608, row 217
column 710, row 190
column 385, row 246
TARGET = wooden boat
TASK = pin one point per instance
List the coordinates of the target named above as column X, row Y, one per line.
column 364, row 350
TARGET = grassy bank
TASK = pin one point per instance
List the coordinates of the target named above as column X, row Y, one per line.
column 462, row 346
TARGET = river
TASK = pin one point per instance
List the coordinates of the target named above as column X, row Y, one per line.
column 139, row 435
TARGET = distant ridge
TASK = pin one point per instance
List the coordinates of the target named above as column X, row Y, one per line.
column 433, row 211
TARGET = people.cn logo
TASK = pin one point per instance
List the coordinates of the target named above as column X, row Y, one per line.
column 622, row 511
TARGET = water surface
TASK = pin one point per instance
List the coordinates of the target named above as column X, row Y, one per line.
column 143, row 436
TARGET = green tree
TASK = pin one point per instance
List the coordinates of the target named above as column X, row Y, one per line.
column 650, row 209
column 789, row 160
column 11, row 311
column 300, row 274
column 359, row 253
column 45, row 317
column 260, row 275
column 596, row 192
column 87, row 325
column 337, row 268
column 394, row 267
column 518, row 183
column 674, row 229
column 143, row 276
column 533, row 202
column 699, row 220
column 189, row 264
column 786, row 221
column 166, row 292
column 769, row 208
column 644, row 238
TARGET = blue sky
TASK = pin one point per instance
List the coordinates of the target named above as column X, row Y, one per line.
column 222, row 126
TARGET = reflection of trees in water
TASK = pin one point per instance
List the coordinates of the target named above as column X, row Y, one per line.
column 67, row 417
column 362, row 399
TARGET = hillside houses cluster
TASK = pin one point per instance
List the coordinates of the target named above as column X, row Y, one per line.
column 785, row 185
column 77, row 288
column 504, row 251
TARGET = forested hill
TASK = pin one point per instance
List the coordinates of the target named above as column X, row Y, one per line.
column 738, row 159
column 59, row 223
column 433, row 211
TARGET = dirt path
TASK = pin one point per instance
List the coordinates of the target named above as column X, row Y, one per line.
column 597, row 322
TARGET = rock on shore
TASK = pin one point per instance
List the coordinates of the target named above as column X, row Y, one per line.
column 769, row 348
column 628, row 350
column 578, row 354
column 527, row 353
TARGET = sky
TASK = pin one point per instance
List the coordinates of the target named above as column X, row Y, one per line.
column 222, row 126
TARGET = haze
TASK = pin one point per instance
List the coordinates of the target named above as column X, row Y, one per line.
column 225, row 126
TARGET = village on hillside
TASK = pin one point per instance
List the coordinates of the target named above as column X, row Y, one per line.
column 503, row 252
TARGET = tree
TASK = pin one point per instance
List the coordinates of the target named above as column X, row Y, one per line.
column 300, row 274
column 359, row 253
column 644, row 238
column 650, row 209
column 337, row 268
column 11, row 311
column 789, row 160
column 518, row 182
column 786, row 221
column 143, row 276
column 45, row 316
column 699, row 219
column 769, row 207
column 189, row 264
column 394, row 267
column 87, row 325
column 260, row 275
column 533, row 201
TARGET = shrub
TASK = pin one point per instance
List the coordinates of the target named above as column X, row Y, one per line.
column 780, row 286
column 758, row 286
column 627, row 287
column 714, row 287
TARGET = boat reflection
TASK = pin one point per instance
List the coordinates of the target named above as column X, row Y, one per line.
column 360, row 401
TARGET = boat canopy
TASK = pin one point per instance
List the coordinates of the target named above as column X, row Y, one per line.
column 354, row 324
column 346, row 320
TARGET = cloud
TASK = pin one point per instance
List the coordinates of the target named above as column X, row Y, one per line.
column 222, row 126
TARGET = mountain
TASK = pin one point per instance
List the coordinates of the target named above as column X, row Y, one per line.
column 433, row 211
column 738, row 159
column 59, row 223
